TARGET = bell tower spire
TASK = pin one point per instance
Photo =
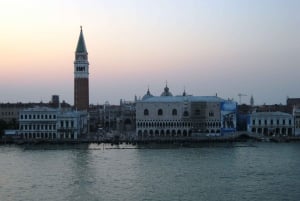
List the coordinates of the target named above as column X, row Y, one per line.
column 81, row 75
column 81, row 48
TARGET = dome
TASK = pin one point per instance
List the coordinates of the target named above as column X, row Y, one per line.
column 166, row 92
column 147, row 95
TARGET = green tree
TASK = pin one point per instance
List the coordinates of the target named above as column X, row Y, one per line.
column 3, row 126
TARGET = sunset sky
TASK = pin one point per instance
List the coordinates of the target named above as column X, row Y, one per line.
column 205, row 46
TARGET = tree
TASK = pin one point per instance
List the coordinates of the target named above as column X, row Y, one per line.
column 3, row 126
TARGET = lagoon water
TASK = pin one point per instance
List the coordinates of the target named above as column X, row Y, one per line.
column 239, row 171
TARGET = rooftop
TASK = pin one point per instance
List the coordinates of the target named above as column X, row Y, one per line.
column 182, row 99
column 270, row 114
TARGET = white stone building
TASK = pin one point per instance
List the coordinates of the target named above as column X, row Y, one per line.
column 71, row 124
column 51, row 123
column 271, row 123
column 183, row 116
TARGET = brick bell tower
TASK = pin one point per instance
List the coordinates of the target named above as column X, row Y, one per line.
column 81, row 75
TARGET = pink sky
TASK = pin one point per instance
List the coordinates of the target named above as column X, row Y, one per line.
column 207, row 47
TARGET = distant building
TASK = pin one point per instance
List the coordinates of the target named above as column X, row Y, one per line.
column 81, row 75
column 243, row 112
column 108, row 117
column 127, row 118
column 271, row 123
column 184, row 116
column 95, row 117
column 291, row 103
column 296, row 115
column 52, row 123
column 38, row 123
column 10, row 111
column 71, row 124
column 271, row 108
column 55, row 101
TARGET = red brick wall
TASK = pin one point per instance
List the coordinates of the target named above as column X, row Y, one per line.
column 81, row 93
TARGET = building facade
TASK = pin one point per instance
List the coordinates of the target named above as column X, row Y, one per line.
column 38, row 123
column 71, row 124
column 81, row 75
column 10, row 111
column 271, row 123
column 127, row 118
column 296, row 115
column 120, row 118
column 52, row 123
column 184, row 116
column 291, row 103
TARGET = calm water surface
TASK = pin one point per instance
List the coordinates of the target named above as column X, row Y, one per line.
column 262, row 171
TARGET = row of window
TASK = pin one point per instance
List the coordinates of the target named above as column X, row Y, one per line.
column 211, row 114
column 160, row 112
column 67, row 124
column 46, row 135
column 207, row 124
column 174, row 113
column 160, row 133
column 38, row 127
column 266, row 131
column 8, row 113
column 164, row 124
column 38, row 116
column 271, row 122
column 63, row 124
column 178, row 124
column 178, row 120
column 171, row 133
column 39, row 135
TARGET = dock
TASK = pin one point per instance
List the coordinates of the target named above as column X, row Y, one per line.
column 236, row 137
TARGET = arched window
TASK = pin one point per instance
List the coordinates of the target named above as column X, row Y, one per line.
column 160, row 112
column 197, row 112
column 174, row 112
column 146, row 112
column 185, row 113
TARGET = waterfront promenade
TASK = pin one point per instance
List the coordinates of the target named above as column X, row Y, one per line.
column 236, row 137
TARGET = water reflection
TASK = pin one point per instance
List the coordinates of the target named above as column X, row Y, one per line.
column 264, row 171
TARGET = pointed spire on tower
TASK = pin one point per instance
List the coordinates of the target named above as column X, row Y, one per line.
column 184, row 93
column 81, row 48
column 252, row 101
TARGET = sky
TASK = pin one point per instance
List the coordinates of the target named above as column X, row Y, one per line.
column 205, row 47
